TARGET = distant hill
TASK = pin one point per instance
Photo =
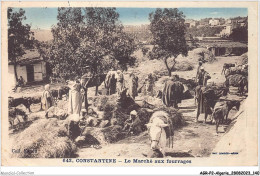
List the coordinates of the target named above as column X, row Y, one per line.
column 42, row 34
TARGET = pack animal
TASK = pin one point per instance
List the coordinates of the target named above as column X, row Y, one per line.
column 207, row 98
column 238, row 81
column 157, row 132
column 227, row 66
column 26, row 101
column 221, row 111
column 96, row 81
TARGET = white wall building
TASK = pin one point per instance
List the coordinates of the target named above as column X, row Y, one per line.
column 214, row 22
column 30, row 66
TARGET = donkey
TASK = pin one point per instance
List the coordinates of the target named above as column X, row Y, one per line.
column 157, row 130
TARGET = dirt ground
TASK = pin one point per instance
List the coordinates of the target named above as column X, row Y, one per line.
column 192, row 140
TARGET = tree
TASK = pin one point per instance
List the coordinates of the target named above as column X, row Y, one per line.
column 89, row 36
column 168, row 31
column 239, row 34
column 19, row 36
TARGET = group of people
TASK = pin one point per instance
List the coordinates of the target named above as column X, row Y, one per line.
column 114, row 83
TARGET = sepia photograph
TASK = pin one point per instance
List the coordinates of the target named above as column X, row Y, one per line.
column 126, row 85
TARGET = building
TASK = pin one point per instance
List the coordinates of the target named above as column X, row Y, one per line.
column 204, row 22
column 30, row 66
column 226, row 31
column 226, row 48
column 214, row 22
column 191, row 23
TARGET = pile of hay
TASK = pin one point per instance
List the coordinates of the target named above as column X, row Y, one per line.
column 101, row 101
column 46, row 138
column 233, row 80
column 103, row 136
column 190, row 83
column 197, row 54
column 144, row 115
column 63, row 105
column 236, row 70
column 55, row 112
column 184, row 66
column 175, row 116
column 160, row 73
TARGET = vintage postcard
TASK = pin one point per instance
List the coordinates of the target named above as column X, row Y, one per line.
column 129, row 84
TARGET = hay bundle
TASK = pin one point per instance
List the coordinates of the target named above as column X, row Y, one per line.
column 63, row 105
column 236, row 70
column 144, row 115
column 46, row 138
column 190, row 83
column 234, row 80
column 120, row 115
column 160, row 73
column 102, row 136
column 55, row 112
column 101, row 101
column 175, row 116
column 184, row 66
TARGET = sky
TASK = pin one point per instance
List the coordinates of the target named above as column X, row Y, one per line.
column 44, row 18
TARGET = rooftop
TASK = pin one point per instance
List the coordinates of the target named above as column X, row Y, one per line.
column 227, row 44
column 30, row 57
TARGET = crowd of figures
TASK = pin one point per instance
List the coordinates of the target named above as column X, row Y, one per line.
column 207, row 96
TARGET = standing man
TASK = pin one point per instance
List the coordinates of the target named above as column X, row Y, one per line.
column 110, row 82
column 149, row 85
column 203, row 77
column 133, row 85
column 85, row 79
column 120, row 81
column 198, row 71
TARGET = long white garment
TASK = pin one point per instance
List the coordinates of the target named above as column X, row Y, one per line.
column 75, row 100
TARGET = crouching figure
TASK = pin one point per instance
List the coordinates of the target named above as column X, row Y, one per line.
column 133, row 124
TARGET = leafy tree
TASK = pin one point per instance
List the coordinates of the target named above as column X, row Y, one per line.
column 89, row 36
column 239, row 34
column 19, row 36
column 168, row 30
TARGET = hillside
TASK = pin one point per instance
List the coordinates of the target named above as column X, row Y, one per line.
column 42, row 34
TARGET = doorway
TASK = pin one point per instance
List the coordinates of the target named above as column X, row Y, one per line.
column 30, row 73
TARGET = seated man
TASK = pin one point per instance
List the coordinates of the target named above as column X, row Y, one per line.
column 133, row 123
column 21, row 81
